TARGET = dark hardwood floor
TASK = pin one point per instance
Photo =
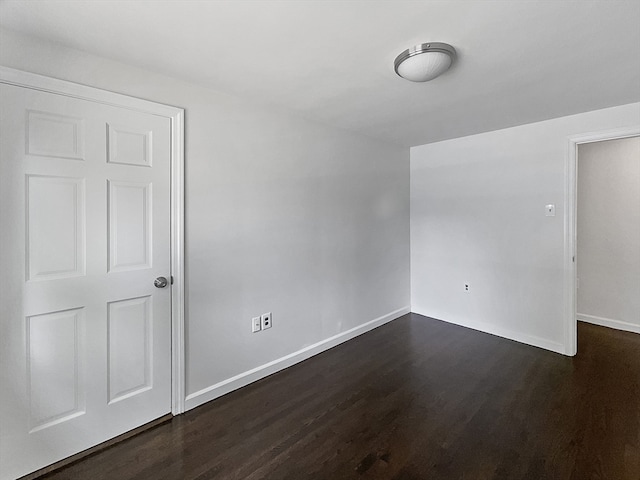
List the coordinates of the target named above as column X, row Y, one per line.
column 414, row 399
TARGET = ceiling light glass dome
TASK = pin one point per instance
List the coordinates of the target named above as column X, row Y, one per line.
column 425, row 62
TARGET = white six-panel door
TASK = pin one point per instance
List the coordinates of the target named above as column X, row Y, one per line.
column 85, row 336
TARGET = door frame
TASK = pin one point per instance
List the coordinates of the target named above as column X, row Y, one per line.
column 42, row 83
column 570, row 226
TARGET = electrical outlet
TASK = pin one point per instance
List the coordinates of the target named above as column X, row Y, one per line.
column 466, row 288
column 266, row 320
column 256, row 324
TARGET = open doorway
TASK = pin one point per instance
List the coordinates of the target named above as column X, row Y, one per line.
column 608, row 234
column 603, row 232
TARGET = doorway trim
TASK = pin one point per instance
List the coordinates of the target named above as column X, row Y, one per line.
column 42, row 83
column 570, row 226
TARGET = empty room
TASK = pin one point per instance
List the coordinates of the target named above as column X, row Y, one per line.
column 320, row 239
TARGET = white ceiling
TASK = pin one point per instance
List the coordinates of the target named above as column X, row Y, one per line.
column 519, row 61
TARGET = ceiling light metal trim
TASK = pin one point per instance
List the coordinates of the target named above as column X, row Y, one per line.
column 425, row 48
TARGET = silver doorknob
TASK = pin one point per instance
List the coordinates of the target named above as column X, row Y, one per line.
column 160, row 282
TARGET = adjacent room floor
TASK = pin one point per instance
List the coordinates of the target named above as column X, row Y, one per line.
column 413, row 399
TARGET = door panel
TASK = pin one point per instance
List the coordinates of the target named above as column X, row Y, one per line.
column 85, row 337
column 54, row 227
column 129, row 226
column 129, row 347
column 54, row 135
column 54, row 360
column 129, row 146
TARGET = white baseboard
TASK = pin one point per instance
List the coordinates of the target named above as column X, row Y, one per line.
column 608, row 322
column 506, row 333
column 250, row 376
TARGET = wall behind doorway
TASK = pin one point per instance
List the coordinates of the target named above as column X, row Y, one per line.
column 608, row 232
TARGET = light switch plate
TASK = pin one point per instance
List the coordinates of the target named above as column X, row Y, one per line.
column 256, row 324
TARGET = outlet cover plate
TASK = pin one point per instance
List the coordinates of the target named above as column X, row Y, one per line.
column 265, row 320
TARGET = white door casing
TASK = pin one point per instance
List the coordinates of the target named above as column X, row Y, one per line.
column 90, row 215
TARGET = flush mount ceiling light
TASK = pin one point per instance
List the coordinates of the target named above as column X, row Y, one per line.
column 425, row 62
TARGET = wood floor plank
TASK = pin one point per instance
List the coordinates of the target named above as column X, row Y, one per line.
column 413, row 399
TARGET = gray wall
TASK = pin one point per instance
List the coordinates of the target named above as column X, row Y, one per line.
column 478, row 217
column 608, row 214
column 283, row 215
